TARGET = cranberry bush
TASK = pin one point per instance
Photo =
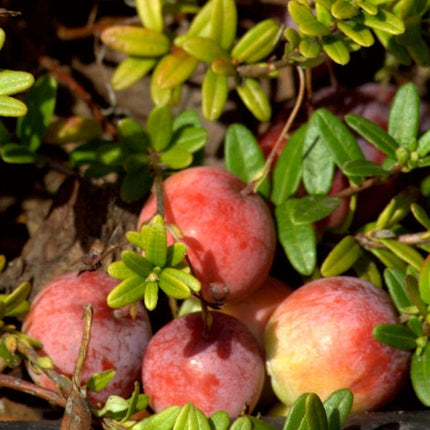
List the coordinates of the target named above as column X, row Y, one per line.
column 293, row 183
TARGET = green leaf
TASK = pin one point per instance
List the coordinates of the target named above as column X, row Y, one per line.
column 136, row 41
column 163, row 420
column 13, row 82
column 185, row 119
column 110, row 154
column 389, row 259
column 356, row 32
column 191, row 418
column 161, row 96
column 176, row 158
column 384, row 21
column 315, row 413
column 132, row 135
column 258, row 42
column 243, row 155
column 176, row 68
column 159, row 127
column 175, row 254
column 296, row 418
column 150, row 13
column 223, row 22
column 118, row 270
column 219, row 420
column 395, row 335
column 17, row 153
column 373, row 133
column 305, row 20
column 367, row 269
column 130, row 71
column 395, row 280
column 242, row 423
column 395, row 211
column 128, row 291
column 100, row 380
column 190, row 139
column 72, row 129
column 254, row 98
column 424, row 281
column 423, row 147
column 297, row 240
column 151, row 295
column 342, row 257
column 312, row 208
column 156, row 246
column 200, row 25
column 40, row 101
column 404, row 117
column 420, row 375
column 136, row 184
column 178, row 284
column 338, row 406
column 342, row 9
column 204, row 48
column 16, row 297
column 420, row 215
column 214, row 95
column 288, row 168
column 137, row 263
column 363, row 168
column 318, row 164
column 113, row 407
column 336, row 49
column 405, row 252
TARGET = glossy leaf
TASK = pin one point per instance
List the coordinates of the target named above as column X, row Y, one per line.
column 363, row 168
column 242, row 423
column 150, row 13
column 177, row 67
column 420, row 375
column 219, row 420
column 424, row 281
column 136, row 41
column 404, row 117
column 176, row 158
column 312, row 208
column 395, row 280
column 17, row 153
column 395, row 211
column 315, row 413
column 100, row 380
column 305, row 20
column 384, row 21
column 337, row 138
column 337, row 407
column 423, row 147
column 421, row 215
column 258, row 42
column 190, row 139
column 243, row 155
column 204, row 48
column 288, row 168
column 356, row 32
column 223, row 22
column 16, row 297
column 395, row 335
column 159, row 127
column 186, row 118
column 132, row 135
column 367, row 269
column 255, row 99
column 389, row 259
column 297, row 240
column 336, row 49
column 214, row 95
column 2, row 37
column 342, row 257
column 178, row 284
column 405, row 252
column 110, row 154
column 13, row 82
column 163, row 420
column 175, row 254
column 318, row 163
column 309, row 49
column 118, row 270
column 128, row 291
column 200, row 25
column 151, row 295
column 342, row 9
column 137, row 263
column 162, row 96
column 156, row 246
column 130, row 71
column 373, row 133
column 40, row 101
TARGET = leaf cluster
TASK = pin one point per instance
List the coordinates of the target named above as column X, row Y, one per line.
column 161, row 267
column 313, row 152
column 328, row 28
column 168, row 143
